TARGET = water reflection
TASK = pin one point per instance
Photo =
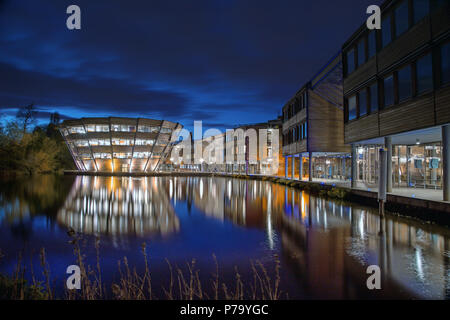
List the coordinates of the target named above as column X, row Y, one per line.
column 118, row 206
column 329, row 244
column 325, row 246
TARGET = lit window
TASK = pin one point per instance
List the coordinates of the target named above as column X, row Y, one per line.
column 404, row 83
column 424, row 74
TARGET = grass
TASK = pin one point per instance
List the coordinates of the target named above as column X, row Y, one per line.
column 182, row 283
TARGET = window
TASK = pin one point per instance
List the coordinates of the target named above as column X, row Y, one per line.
column 388, row 91
column 372, row 44
column 361, row 52
column 352, row 108
column 306, row 129
column 81, row 143
column 373, row 89
column 350, row 61
column 421, row 8
column 424, row 74
column 386, row 36
column 76, row 130
column 401, row 18
column 404, row 83
column 445, row 63
column 363, row 103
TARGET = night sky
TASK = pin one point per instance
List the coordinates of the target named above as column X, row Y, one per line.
column 223, row 62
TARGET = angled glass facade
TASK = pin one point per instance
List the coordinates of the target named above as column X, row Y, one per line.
column 119, row 144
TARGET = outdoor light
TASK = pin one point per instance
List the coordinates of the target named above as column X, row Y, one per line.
column 417, row 141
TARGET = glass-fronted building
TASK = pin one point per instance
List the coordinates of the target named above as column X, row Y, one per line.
column 119, row 144
column 397, row 96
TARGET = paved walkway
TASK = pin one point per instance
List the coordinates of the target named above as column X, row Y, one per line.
column 418, row 193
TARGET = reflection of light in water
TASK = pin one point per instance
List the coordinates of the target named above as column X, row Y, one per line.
column 201, row 189
column 303, row 213
column 127, row 208
column 229, row 189
column 361, row 224
column 269, row 222
column 170, row 189
column 419, row 263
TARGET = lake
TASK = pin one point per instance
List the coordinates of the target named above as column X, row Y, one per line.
column 323, row 247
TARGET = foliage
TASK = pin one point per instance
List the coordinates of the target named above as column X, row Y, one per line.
column 32, row 152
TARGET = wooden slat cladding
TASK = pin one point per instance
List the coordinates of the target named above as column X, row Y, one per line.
column 298, row 118
column 360, row 75
column 440, row 22
column 295, row 148
column 410, row 115
column 325, row 126
column 364, row 128
column 443, row 105
column 407, row 43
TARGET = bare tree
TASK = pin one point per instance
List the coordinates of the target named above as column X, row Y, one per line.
column 26, row 116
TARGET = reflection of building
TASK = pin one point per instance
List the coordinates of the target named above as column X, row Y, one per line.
column 397, row 95
column 119, row 144
column 313, row 127
column 329, row 246
column 115, row 206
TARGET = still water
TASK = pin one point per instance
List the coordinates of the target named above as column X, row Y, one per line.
column 324, row 246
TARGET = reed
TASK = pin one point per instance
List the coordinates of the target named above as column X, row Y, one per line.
column 183, row 283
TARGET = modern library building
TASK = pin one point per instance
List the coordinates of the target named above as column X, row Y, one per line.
column 119, row 144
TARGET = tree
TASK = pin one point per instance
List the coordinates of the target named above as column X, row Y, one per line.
column 26, row 117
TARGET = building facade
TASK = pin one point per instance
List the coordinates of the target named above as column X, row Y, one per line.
column 397, row 96
column 313, row 128
column 119, row 144
column 246, row 149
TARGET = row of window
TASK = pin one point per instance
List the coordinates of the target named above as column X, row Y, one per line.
column 114, row 128
column 297, row 133
column 296, row 106
column 409, row 81
column 396, row 22
column 117, row 155
column 115, row 142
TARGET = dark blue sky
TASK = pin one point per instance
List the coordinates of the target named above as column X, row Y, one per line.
column 224, row 62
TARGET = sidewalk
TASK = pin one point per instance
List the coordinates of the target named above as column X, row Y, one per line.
column 416, row 193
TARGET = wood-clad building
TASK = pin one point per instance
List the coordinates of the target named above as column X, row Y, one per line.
column 313, row 127
column 397, row 95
